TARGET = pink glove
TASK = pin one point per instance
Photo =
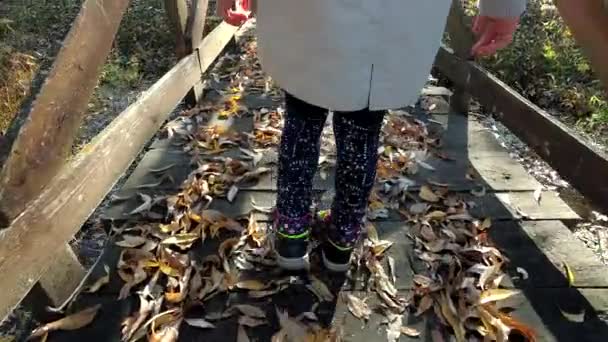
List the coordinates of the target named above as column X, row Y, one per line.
column 494, row 34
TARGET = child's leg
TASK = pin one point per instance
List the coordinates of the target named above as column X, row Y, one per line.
column 357, row 138
column 298, row 159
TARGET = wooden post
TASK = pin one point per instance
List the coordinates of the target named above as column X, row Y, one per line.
column 177, row 12
column 45, row 139
column 194, row 35
column 461, row 41
column 188, row 24
column 588, row 21
column 64, row 275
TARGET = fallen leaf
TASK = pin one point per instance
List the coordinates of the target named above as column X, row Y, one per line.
column 293, row 329
column 479, row 191
column 232, row 193
column 393, row 330
column 425, row 303
column 372, row 233
column 199, row 323
column 574, row 317
column 494, row 295
column 254, row 285
column 391, row 268
column 251, row 321
column 162, row 168
column 249, row 310
column 428, row 195
column 523, row 272
column 436, row 215
column 411, row 332
column 242, row 335
column 146, row 206
column 183, row 240
column 101, row 281
column 71, row 322
column 357, row 307
column 131, row 241
column 320, row 289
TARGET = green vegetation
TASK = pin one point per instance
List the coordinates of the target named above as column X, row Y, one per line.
column 31, row 33
column 545, row 65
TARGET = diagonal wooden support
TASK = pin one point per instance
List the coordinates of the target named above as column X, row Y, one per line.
column 44, row 141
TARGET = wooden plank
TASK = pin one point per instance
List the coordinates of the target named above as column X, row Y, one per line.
column 542, row 248
column 52, row 219
column 578, row 162
column 64, row 277
column 45, row 139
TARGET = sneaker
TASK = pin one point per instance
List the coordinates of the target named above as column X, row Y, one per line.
column 291, row 249
column 336, row 258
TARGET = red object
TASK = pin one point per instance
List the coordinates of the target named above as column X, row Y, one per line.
column 240, row 14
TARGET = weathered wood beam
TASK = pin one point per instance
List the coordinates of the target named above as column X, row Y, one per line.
column 588, row 21
column 194, row 35
column 575, row 160
column 46, row 137
column 177, row 12
column 51, row 220
column 461, row 40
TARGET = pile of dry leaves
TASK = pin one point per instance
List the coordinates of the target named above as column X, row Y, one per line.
column 460, row 290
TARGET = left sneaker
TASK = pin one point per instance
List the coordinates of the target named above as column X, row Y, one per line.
column 336, row 258
column 291, row 242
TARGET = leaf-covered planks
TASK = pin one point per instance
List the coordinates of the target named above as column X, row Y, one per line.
column 45, row 139
column 575, row 160
column 52, row 219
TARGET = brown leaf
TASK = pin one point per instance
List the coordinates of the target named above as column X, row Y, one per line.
column 293, row 329
column 71, row 322
column 411, row 332
column 131, row 241
column 146, row 206
column 199, row 323
column 320, row 289
column 428, row 195
column 251, row 321
column 253, row 284
column 425, row 303
column 494, row 295
column 101, row 281
column 249, row 310
column 393, row 330
column 448, row 313
column 357, row 307
column 183, row 241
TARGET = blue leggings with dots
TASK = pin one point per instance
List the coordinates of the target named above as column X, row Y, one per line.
column 357, row 136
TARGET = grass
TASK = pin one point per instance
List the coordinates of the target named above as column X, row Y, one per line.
column 31, row 33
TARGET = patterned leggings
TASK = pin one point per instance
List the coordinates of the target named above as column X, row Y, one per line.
column 357, row 136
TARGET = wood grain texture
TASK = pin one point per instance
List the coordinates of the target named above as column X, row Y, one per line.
column 45, row 139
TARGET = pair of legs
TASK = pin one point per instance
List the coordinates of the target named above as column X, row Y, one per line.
column 357, row 136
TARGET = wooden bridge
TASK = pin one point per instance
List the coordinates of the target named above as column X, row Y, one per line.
column 233, row 124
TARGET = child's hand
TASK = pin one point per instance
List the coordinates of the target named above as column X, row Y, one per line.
column 494, row 34
column 234, row 12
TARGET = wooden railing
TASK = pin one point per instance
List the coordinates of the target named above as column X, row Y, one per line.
column 45, row 198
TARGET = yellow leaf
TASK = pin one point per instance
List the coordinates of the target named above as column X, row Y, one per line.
column 495, row 295
column 183, row 241
column 372, row 233
column 436, row 215
column 487, row 223
column 411, row 332
column 168, row 270
column 428, row 195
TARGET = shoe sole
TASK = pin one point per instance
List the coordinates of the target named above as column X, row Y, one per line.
column 334, row 267
column 293, row 264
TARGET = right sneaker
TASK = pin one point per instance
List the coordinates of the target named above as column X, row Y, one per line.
column 336, row 258
column 291, row 250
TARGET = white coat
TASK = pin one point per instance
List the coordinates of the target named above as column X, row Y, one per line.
column 347, row 55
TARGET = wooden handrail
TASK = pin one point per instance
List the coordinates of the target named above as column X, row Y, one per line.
column 45, row 140
column 50, row 221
